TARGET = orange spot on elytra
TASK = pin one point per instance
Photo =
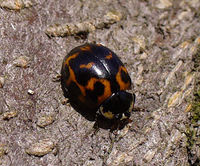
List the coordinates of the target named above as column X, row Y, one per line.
column 69, row 58
column 123, row 85
column 109, row 56
column 107, row 91
column 87, row 66
column 72, row 77
column 85, row 48
column 90, row 84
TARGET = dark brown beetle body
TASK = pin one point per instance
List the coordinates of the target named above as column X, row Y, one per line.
column 95, row 79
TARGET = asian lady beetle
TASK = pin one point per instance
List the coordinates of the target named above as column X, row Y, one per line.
column 95, row 79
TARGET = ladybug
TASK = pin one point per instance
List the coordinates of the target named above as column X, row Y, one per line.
column 95, row 79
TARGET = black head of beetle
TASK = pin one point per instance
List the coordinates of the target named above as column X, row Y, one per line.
column 118, row 106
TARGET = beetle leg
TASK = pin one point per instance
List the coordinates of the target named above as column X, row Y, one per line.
column 95, row 128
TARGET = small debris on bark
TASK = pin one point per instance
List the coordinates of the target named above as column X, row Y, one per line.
column 41, row 148
column 45, row 120
column 2, row 81
column 9, row 115
column 22, row 62
column 70, row 29
column 15, row 4
column 3, row 150
column 31, row 92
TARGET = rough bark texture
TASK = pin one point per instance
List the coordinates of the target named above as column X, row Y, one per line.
column 157, row 40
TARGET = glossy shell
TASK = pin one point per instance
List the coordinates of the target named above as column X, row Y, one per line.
column 91, row 73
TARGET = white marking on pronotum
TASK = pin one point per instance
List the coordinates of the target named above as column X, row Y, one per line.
column 130, row 109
